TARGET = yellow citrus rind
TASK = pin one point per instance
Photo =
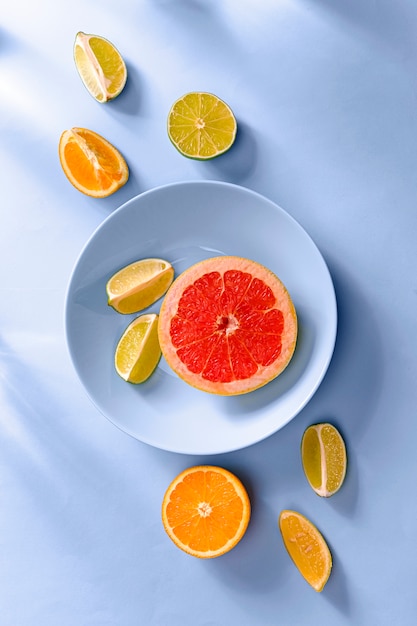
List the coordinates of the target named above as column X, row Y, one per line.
column 100, row 65
column 139, row 284
column 324, row 458
column 137, row 353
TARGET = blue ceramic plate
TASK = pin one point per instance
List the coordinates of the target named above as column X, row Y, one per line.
column 185, row 223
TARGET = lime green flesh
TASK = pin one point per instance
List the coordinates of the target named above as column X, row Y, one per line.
column 201, row 126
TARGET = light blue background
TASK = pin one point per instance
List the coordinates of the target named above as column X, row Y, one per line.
column 325, row 96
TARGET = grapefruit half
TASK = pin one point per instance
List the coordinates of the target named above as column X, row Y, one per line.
column 227, row 326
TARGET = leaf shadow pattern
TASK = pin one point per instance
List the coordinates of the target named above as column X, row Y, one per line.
column 8, row 42
column 390, row 23
column 49, row 458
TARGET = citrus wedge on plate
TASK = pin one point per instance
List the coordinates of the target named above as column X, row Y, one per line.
column 324, row 459
column 137, row 352
column 201, row 126
column 206, row 511
column 91, row 163
column 100, row 66
column 138, row 285
column 306, row 547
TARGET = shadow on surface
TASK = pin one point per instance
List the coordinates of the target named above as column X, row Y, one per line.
column 195, row 26
column 336, row 590
column 353, row 383
column 239, row 162
column 261, row 551
column 43, row 448
column 347, row 398
column 259, row 564
column 130, row 101
column 354, row 379
column 131, row 189
column 392, row 23
column 8, row 42
column 195, row 6
column 345, row 501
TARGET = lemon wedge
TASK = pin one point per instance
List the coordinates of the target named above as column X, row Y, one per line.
column 100, row 66
column 324, row 459
column 138, row 285
column 138, row 352
column 306, row 547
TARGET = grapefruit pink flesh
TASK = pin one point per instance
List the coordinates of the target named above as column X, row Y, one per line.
column 227, row 326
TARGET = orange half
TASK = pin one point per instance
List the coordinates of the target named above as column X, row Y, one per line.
column 206, row 511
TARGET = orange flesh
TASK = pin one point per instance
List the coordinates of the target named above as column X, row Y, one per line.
column 226, row 326
column 206, row 511
column 91, row 163
column 213, row 513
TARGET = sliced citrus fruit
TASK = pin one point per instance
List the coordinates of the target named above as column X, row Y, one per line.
column 227, row 326
column 100, row 66
column 201, row 126
column 307, row 548
column 324, row 459
column 138, row 352
column 91, row 163
column 139, row 284
column 206, row 511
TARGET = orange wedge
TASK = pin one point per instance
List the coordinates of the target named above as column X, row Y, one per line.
column 323, row 455
column 306, row 547
column 206, row 511
column 91, row 163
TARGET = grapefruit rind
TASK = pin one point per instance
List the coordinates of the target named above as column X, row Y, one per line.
column 284, row 303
